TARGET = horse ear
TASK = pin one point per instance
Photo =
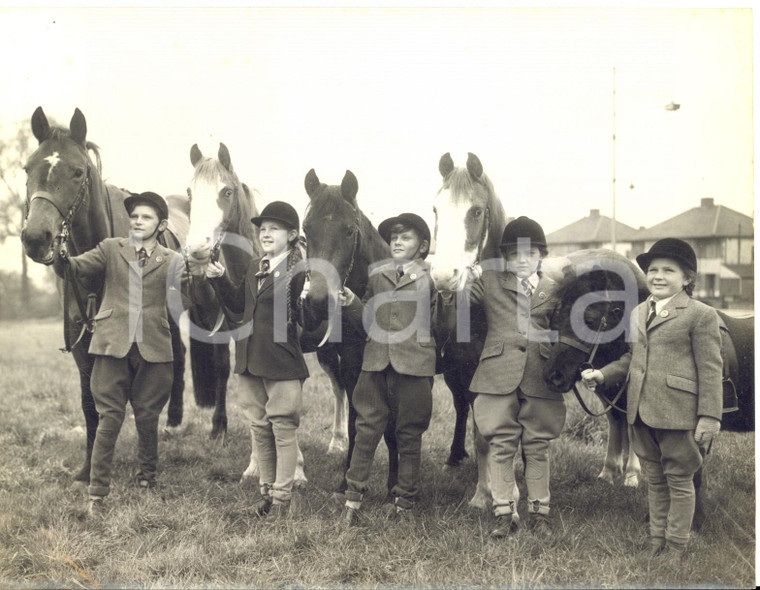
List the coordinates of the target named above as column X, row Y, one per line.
column 311, row 183
column 474, row 167
column 195, row 155
column 445, row 164
column 349, row 187
column 40, row 125
column 224, row 157
column 78, row 127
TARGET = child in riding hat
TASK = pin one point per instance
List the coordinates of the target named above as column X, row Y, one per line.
column 514, row 406
column 675, row 399
column 269, row 361
column 396, row 381
column 131, row 339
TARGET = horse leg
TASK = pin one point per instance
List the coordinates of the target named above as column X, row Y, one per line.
column 632, row 466
column 174, row 417
column 252, row 471
column 222, row 372
column 330, row 364
column 458, row 452
column 612, row 471
column 300, row 479
column 482, row 498
column 84, row 363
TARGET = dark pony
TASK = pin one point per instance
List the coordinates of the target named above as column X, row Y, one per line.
column 606, row 274
column 67, row 199
column 469, row 222
column 341, row 237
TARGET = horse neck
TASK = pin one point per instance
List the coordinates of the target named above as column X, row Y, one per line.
column 90, row 225
column 372, row 248
column 236, row 260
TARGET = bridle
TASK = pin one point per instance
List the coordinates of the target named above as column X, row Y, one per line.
column 85, row 309
column 483, row 235
column 591, row 349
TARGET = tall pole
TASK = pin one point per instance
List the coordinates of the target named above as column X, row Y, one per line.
column 613, row 237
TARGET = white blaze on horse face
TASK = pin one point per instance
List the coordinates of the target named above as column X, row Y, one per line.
column 205, row 214
column 453, row 252
column 53, row 160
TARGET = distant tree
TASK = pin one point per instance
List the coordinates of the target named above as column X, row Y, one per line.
column 14, row 150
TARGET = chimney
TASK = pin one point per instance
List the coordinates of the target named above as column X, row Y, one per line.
column 594, row 213
column 708, row 202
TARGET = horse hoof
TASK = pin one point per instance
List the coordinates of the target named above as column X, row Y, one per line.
column 631, row 481
column 300, row 481
column 606, row 476
column 249, row 475
column 171, row 431
column 480, row 502
column 337, row 447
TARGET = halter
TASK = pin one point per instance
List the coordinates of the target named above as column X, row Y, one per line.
column 483, row 235
column 84, row 190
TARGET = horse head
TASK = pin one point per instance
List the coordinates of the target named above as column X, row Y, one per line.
column 469, row 220
column 221, row 207
column 341, row 242
column 597, row 292
column 60, row 175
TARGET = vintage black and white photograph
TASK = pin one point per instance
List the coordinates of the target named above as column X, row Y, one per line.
column 401, row 296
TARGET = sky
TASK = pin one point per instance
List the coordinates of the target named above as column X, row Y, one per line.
column 385, row 92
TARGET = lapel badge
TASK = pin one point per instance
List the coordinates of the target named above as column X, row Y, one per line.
column 412, row 276
column 276, row 273
column 159, row 259
column 541, row 295
column 664, row 313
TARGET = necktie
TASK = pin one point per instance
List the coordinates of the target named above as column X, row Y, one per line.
column 527, row 287
column 399, row 273
column 142, row 257
column 652, row 311
column 263, row 271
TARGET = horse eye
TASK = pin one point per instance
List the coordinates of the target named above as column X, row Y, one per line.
column 78, row 173
column 227, row 193
column 476, row 213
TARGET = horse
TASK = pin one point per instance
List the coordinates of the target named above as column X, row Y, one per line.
column 221, row 207
column 469, row 221
column 68, row 201
column 342, row 243
column 578, row 275
column 568, row 355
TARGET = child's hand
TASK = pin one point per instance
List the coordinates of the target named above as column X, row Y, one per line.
column 592, row 378
column 346, row 296
column 197, row 268
column 214, row 270
column 470, row 274
column 707, row 429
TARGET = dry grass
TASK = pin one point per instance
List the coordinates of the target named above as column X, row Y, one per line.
column 197, row 529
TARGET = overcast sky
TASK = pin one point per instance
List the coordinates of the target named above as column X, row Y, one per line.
column 385, row 92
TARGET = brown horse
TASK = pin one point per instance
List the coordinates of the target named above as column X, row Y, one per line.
column 67, row 199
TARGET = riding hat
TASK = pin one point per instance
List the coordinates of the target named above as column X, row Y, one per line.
column 152, row 199
column 669, row 248
column 278, row 211
column 522, row 228
column 407, row 220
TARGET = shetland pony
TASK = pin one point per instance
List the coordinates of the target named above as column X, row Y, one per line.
column 67, row 195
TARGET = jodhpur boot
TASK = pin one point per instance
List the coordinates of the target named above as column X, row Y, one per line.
column 262, row 505
column 539, row 524
column 349, row 517
column 278, row 511
column 505, row 526
column 655, row 547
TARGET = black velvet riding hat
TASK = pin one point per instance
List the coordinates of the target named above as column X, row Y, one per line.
column 669, row 248
column 522, row 228
column 407, row 220
column 278, row 211
column 152, row 199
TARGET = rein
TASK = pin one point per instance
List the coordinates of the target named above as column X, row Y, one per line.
column 588, row 364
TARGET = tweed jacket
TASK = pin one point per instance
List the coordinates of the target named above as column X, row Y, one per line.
column 674, row 366
column 134, row 306
column 256, row 351
column 398, row 316
column 518, row 339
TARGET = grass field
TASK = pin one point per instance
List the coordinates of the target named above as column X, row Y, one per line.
column 197, row 530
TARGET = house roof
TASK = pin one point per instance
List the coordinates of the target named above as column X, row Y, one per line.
column 706, row 221
column 595, row 228
column 745, row 271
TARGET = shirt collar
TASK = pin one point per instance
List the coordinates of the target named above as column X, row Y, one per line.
column 659, row 304
column 275, row 262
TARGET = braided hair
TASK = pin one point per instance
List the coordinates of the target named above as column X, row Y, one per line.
column 294, row 256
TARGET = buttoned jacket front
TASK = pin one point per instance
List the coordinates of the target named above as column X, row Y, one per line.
column 518, row 340
column 396, row 318
column 134, row 306
column 257, row 352
column 674, row 366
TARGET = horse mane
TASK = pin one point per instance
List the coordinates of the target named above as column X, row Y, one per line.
column 460, row 184
column 61, row 133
